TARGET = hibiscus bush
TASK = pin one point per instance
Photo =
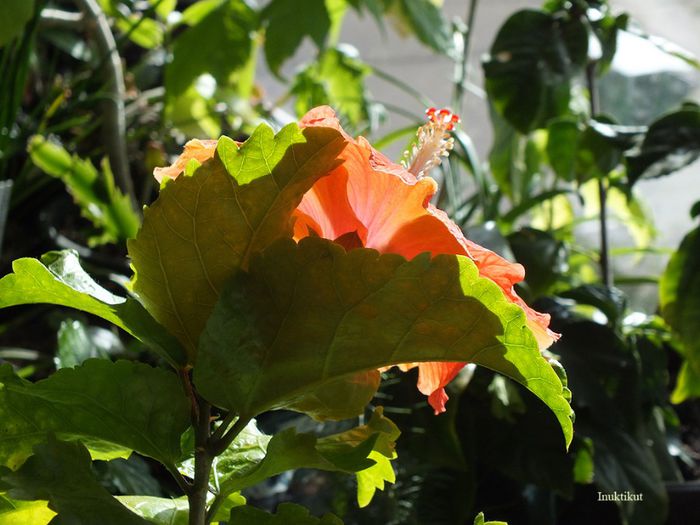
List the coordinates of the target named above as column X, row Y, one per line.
column 214, row 311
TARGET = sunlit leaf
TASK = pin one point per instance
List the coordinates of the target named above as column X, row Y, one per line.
column 15, row 512
column 205, row 225
column 337, row 78
column 99, row 200
column 311, row 313
column 253, row 457
column 58, row 279
column 60, row 473
column 679, row 296
column 112, row 407
column 218, row 43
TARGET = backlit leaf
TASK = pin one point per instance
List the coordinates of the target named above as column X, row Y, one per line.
column 61, row 281
column 679, row 296
column 112, row 407
column 310, row 313
column 99, row 200
column 204, row 225
column 253, row 457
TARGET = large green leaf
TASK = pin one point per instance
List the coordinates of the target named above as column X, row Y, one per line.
column 311, row 313
column 60, row 280
column 60, row 473
column 425, row 20
column 99, row 200
column 205, row 224
column 288, row 23
column 14, row 14
column 253, row 457
column 112, row 407
column 679, row 292
column 287, row 514
column 530, row 67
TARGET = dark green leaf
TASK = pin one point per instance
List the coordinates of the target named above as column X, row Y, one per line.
column 287, row 514
column 530, row 67
column 287, row 25
column 95, row 193
column 427, row 22
column 598, row 152
column 205, row 224
column 14, row 14
column 302, row 318
column 60, row 473
column 672, row 142
column 544, row 258
column 60, row 280
column 113, row 407
column 610, row 301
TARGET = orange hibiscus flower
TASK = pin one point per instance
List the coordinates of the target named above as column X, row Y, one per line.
column 369, row 201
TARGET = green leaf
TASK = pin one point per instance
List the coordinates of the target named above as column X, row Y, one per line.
column 481, row 520
column 426, row 21
column 113, row 407
column 161, row 511
column 142, row 31
column 204, row 225
column 14, row 15
column 543, row 256
column 288, row 23
column 219, row 43
column 562, row 144
column 61, row 474
column 77, row 343
column 303, row 317
column 61, row 281
column 287, row 514
column 254, row 457
column 14, row 512
column 679, row 297
column 597, row 152
column 672, row 142
column 99, row 200
column 530, row 67
column 337, row 79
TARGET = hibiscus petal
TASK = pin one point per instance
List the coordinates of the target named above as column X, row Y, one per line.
column 201, row 150
column 389, row 209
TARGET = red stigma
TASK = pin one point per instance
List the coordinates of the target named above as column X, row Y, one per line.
column 443, row 117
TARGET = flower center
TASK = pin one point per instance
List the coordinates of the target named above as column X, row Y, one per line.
column 434, row 142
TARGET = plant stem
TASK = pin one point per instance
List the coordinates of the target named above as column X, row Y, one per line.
column 605, row 268
column 197, row 495
column 462, row 75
